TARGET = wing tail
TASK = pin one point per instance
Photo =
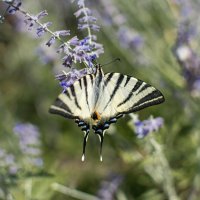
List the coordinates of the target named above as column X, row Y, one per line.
column 100, row 133
column 86, row 133
column 86, row 129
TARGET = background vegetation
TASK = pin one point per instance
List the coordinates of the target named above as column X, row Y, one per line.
column 143, row 34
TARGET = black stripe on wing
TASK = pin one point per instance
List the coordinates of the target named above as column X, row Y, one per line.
column 118, row 83
column 108, row 78
column 135, row 88
column 127, row 80
column 74, row 95
column 153, row 98
column 99, row 76
column 67, row 93
column 86, row 89
column 117, row 86
column 62, row 109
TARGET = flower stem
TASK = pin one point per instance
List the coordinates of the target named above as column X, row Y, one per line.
column 26, row 14
column 168, row 184
column 73, row 193
column 28, row 189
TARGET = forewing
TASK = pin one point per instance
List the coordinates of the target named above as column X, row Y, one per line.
column 76, row 101
column 128, row 94
column 124, row 94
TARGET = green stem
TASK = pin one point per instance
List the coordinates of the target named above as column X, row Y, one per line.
column 172, row 8
column 28, row 189
column 167, row 178
column 73, row 193
column 194, row 194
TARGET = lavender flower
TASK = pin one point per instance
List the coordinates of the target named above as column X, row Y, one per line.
column 8, row 162
column 29, row 143
column 143, row 128
column 75, row 50
column 73, row 41
column 128, row 38
column 87, row 22
column 15, row 6
column 34, row 19
column 57, row 34
column 183, row 50
column 68, row 79
column 41, row 15
column 109, row 187
column 42, row 29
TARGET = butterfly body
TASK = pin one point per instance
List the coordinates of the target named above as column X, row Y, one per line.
column 98, row 100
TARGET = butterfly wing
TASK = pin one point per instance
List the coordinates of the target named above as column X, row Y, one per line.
column 124, row 94
column 105, row 98
column 76, row 103
column 120, row 95
column 129, row 94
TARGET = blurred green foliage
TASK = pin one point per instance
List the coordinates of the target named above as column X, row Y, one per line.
column 162, row 166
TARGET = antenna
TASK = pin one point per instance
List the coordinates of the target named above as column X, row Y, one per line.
column 116, row 59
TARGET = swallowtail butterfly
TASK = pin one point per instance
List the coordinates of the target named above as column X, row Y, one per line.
column 98, row 100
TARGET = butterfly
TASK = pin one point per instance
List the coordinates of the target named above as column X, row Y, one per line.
column 97, row 100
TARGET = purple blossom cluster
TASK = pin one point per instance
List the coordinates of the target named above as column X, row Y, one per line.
column 109, row 187
column 75, row 50
column 67, row 79
column 128, row 37
column 8, row 162
column 29, row 143
column 183, row 49
column 143, row 128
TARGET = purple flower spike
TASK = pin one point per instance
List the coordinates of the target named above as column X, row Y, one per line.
column 29, row 142
column 187, row 57
column 109, row 187
column 68, row 79
column 140, row 129
column 8, row 162
column 82, row 11
column 86, row 19
column 143, row 128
